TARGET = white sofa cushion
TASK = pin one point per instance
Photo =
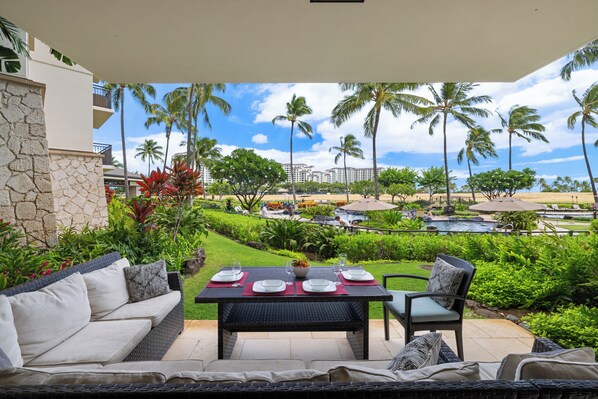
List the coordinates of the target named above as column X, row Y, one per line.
column 255, row 365
column 441, row 372
column 325, row 365
column 542, row 369
column 509, row 364
column 8, row 335
column 154, row 309
column 99, row 342
column 166, row 367
column 47, row 317
column 26, row 376
column 107, row 288
column 488, row 370
column 304, row 375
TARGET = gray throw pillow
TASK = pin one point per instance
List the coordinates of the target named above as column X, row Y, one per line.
column 147, row 281
column 421, row 352
column 445, row 278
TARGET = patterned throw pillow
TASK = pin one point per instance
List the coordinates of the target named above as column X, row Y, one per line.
column 147, row 281
column 445, row 278
column 421, row 352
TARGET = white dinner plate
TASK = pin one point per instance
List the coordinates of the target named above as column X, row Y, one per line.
column 307, row 287
column 226, row 276
column 269, row 287
column 367, row 276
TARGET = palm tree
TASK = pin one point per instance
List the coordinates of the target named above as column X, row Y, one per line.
column 349, row 146
column 382, row 96
column 523, row 122
column 172, row 115
column 196, row 97
column 139, row 92
column 206, row 153
column 151, row 151
column 478, row 141
column 583, row 57
column 453, row 100
column 296, row 108
column 589, row 108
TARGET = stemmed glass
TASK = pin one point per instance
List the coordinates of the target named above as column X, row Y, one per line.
column 337, row 269
column 288, row 267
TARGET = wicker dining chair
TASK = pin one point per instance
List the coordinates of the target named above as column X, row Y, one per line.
column 417, row 311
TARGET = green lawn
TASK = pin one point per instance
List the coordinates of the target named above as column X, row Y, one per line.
column 221, row 251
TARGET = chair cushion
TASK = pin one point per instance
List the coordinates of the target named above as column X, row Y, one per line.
column 255, row 365
column 421, row 352
column 154, row 309
column 551, row 369
column 9, row 345
column 99, row 342
column 462, row 371
column 445, row 278
column 107, row 288
column 26, row 376
column 166, row 367
column 422, row 309
column 303, row 375
column 147, row 281
column 325, row 365
column 47, row 317
column 488, row 370
column 509, row 364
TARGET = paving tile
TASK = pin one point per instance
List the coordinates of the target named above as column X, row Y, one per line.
column 499, row 328
column 378, row 351
column 328, row 334
column 206, row 350
column 198, row 329
column 238, row 349
column 291, row 335
column 501, row 347
column 315, row 349
column 180, row 349
column 394, row 345
column 377, row 329
column 266, row 349
column 253, row 335
column 345, row 349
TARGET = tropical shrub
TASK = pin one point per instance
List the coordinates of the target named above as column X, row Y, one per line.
column 306, row 204
column 284, row 234
column 18, row 262
column 570, row 327
column 594, row 225
column 519, row 220
column 321, row 240
column 321, row 210
column 410, row 224
column 289, row 254
column 243, row 228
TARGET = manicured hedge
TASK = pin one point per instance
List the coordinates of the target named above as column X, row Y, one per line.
column 243, row 228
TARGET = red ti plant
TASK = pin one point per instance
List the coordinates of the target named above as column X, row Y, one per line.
column 141, row 210
column 157, row 184
column 109, row 193
column 187, row 185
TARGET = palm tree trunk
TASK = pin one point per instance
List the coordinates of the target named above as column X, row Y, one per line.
column 376, row 121
column 168, row 130
column 122, row 137
column 292, row 171
column 510, row 138
column 470, row 175
column 446, row 171
column 585, row 155
column 346, row 181
column 190, row 126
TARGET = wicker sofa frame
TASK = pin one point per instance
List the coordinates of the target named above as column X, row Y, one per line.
column 157, row 342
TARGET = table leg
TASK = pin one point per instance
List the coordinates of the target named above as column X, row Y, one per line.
column 226, row 338
column 359, row 339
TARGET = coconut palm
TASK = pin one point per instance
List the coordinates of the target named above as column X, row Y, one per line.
column 139, row 92
column 453, row 100
column 523, row 122
column 382, row 96
column 349, row 146
column 196, row 97
column 172, row 115
column 206, row 153
column 478, row 141
column 151, row 151
column 296, row 108
column 585, row 56
column 589, row 109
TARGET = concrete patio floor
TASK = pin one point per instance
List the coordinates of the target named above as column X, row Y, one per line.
column 483, row 340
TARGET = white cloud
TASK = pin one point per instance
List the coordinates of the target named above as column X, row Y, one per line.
column 561, row 160
column 259, row 139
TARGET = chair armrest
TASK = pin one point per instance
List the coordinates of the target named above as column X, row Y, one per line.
column 387, row 276
column 545, row 345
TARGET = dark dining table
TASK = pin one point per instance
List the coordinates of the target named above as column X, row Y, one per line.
column 293, row 312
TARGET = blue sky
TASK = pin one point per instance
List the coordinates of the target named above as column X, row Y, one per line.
column 254, row 105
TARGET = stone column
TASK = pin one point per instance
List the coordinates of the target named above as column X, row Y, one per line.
column 25, row 189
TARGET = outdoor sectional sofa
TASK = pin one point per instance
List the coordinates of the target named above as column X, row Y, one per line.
column 129, row 377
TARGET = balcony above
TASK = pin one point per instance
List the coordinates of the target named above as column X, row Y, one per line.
column 106, row 151
column 102, row 106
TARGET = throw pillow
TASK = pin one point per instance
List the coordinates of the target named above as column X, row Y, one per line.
column 421, row 352
column 509, row 364
column 107, row 289
column 147, row 281
column 9, row 345
column 552, row 369
column 445, row 278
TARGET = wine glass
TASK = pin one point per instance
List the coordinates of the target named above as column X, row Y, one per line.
column 342, row 260
column 236, row 267
column 337, row 269
column 288, row 267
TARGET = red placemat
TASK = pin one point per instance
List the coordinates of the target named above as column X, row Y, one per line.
column 351, row 282
column 248, row 291
column 215, row 284
column 340, row 290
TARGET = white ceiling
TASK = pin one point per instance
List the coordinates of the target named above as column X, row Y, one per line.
column 295, row 41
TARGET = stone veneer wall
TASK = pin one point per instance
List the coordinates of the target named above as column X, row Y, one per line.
column 78, row 188
column 25, row 188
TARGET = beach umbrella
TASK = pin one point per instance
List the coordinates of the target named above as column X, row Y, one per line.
column 368, row 204
column 507, row 204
